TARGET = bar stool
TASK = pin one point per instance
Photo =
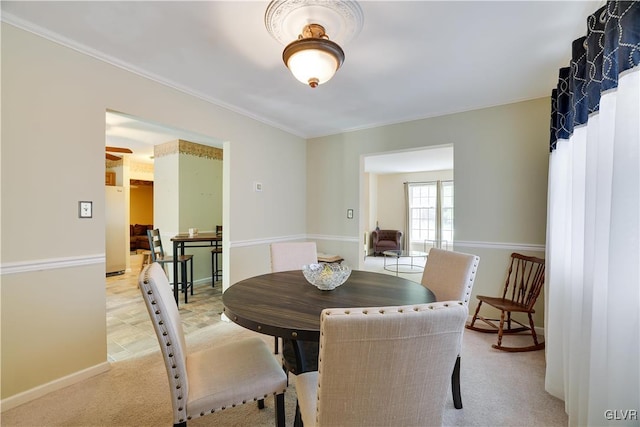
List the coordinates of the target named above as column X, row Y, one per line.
column 157, row 255
column 146, row 258
column 216, row 268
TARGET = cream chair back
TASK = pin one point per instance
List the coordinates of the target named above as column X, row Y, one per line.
column 167, row 324
column 287, row 256
column 450, row 275
column 382, row 366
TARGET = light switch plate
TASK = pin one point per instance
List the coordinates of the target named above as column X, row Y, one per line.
column 85, row 209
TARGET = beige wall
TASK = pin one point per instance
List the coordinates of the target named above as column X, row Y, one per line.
column 52, row 325
column 500, row 173
column 200, row 193
column 53, row 103
column 200, row 205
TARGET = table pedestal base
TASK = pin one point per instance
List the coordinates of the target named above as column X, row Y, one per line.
column 300, row 356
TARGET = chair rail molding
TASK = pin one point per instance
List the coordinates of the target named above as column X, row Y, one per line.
column 77, row 261
column 354, row 239
column 537, row 247
column 50, row 264
column 266, row 241
column 500, row 245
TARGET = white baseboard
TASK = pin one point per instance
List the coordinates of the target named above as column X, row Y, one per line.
column 41, row 390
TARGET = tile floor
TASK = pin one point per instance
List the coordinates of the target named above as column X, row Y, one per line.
column 129, row 330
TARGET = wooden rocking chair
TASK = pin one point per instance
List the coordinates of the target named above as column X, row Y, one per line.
column 524, row 283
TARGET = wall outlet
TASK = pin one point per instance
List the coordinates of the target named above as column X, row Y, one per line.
column 257, row 186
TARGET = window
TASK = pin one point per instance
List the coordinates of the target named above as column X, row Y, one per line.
column 446, row 216
column 431, row 212
column 422, row 204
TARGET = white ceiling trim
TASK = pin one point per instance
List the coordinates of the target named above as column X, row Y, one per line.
column 79, row 47
column 54, row 37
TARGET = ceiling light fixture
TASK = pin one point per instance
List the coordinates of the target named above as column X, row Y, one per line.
column 313, row 59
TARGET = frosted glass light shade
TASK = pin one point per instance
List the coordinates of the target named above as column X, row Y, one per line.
column 313, row 61
column 312, row 65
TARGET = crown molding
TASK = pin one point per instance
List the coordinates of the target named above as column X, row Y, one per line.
column 96, row 54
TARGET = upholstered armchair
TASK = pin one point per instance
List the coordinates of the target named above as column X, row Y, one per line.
column 386, row 240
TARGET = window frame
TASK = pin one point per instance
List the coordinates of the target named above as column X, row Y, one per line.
column 439, row 216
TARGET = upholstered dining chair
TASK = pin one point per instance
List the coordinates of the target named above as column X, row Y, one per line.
column 450, row 276
column 287, row 256
column 215, row 378
column 382, row 366
column 158, row 255
column 525, row 279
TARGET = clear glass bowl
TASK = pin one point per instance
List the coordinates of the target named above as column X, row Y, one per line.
column 325, row 276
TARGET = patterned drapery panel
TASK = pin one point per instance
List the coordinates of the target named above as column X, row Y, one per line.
column 611, row 46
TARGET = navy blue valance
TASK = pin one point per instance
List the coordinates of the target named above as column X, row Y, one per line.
column 611, row 46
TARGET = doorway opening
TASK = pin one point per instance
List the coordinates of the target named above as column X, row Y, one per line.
column 384, row 196
column 132, row 167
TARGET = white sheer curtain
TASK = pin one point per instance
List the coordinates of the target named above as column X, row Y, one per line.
column 592, row 289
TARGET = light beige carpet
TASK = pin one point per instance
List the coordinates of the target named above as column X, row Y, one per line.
column 498, row 389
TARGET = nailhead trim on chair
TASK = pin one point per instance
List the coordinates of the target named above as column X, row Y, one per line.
column 472, row 277
column 185, row 416
column 177, row 384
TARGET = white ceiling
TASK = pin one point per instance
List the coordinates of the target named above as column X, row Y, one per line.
column 411, row 60
column 431, row 159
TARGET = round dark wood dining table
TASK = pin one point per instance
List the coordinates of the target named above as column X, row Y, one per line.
column 285, row 305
